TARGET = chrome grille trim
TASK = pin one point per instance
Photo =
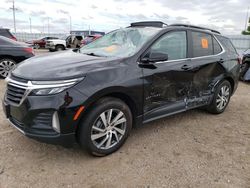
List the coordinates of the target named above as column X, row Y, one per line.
column 32, row 85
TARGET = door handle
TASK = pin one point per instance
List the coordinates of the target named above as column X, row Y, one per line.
column 186, row 67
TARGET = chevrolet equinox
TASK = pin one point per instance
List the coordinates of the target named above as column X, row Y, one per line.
column 130, row 76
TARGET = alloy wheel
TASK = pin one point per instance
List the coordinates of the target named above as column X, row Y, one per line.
column 223, row 97
column 6, row 66
column 108, row 129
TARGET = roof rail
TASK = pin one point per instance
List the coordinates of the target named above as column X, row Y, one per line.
column 148, row 24
column 196, row 27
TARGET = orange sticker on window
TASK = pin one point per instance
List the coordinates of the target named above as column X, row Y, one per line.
column 204, row 43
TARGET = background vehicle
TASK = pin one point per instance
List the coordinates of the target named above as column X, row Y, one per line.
column 11, row 53
column 6, row 33
column 245, row 67
column 57, row 44
column 128, row 77
column 40, row 43
column 69, row 41
column 90, row 39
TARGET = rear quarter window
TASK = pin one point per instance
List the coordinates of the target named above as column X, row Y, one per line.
column 217, row 47
column 227, row 44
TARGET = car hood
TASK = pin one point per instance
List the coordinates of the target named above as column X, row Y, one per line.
column 60, row 65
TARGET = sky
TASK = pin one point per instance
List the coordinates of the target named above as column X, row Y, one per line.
column 227, row 16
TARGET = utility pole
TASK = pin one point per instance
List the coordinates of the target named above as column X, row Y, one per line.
column 70, row 24
column 247, row 19
column 48, row 25
column 30, row 25
column 14, row 14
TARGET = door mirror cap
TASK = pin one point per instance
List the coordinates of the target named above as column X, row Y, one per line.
column 155, row 57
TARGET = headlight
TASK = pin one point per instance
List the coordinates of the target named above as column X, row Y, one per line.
column 52, row 87
column 49, row 91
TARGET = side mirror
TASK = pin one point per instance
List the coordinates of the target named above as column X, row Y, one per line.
column 154, row 57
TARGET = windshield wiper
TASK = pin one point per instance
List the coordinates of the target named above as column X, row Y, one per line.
column 93, row 54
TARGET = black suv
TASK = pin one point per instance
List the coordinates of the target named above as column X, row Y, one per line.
column 6, row 33
column 129, row 77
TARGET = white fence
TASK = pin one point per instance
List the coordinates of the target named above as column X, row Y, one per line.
column 241, row 42
column 29, row 36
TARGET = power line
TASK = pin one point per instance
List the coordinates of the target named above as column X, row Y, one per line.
column 30, row 25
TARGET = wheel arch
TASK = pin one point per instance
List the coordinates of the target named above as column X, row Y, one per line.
column 60, row 45
column 117, row 93
column 8, row 57
column 231, row 81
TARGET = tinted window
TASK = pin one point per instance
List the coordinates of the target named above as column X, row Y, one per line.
column 5, row 32
column 173, row 44
column 7, row 41
column 227, row 44
column 217, row 48
column 202, row 44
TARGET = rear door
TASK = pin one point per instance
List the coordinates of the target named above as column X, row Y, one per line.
column 207, row 67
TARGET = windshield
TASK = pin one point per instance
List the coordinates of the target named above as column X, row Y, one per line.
column 120, row 43
column 64, row 37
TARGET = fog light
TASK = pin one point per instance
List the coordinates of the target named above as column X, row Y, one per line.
column 55, row 122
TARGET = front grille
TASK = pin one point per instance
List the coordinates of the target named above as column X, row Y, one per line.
column 15, row 94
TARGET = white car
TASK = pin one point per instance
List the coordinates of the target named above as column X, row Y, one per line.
column 67, row 41
column 57, row 44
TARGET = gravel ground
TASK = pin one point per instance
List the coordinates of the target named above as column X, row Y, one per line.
column 191, row 149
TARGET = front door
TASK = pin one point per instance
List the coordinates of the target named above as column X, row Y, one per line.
column 167, row 83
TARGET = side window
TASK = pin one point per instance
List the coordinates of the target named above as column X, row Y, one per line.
column 174, row 44
column 227, row 44
column 217, row 48
column 202, row 44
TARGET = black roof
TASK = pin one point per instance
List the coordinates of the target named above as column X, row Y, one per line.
column 148, row 24
column 164, row 25
column 196, row 27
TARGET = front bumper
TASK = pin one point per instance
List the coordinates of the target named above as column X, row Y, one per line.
column 34, row 117
column 58, row 139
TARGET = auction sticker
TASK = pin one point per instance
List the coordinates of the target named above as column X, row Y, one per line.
column 204, row 43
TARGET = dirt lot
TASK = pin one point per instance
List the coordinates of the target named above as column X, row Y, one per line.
column 192, row 149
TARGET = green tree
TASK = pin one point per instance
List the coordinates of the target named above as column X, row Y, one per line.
column 247, row 32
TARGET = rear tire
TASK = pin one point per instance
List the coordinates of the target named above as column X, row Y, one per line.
column 221, row 98
column 37, row 46
column 105, row 127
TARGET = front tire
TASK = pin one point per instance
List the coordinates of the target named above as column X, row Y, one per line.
column 105, row 127
column 60, row 48
column 221, row 98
